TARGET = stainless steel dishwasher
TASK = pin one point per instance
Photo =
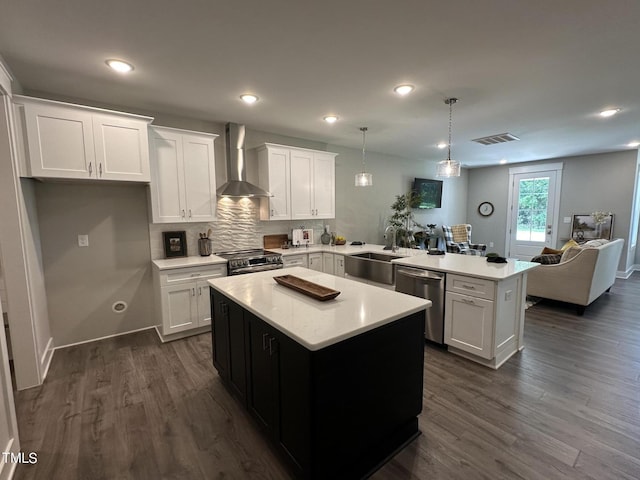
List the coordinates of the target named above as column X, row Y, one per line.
column 430, row 285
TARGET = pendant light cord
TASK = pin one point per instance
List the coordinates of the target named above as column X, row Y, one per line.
column 364, row 130
column 450, row 101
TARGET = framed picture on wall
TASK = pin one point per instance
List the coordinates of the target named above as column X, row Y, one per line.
column 175, row 244
column 589, row 226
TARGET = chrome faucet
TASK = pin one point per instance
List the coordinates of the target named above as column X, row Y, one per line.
column 394, row 247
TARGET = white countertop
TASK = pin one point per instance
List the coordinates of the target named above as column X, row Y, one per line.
column 473, row 266
column 346, row 250
column 312, row 323
column 182, row 262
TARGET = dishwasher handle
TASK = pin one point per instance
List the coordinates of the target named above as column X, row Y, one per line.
column 420, row 274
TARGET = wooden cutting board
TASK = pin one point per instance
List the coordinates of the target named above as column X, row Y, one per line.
column 275, row 241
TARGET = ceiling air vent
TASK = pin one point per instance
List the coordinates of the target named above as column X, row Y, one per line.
column 494, row 139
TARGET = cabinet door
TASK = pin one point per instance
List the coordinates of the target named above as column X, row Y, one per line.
column 122, row 148
column 315, row 261
column 338, row 268
column 60, row 142
column 295, row 261
column 179, row 307
column 168, row 203
column 199, row 178
column 220, row 333
column 263, row 372
column 328, row 263
column 204, row 304
column 302, row 185
column 275, row 176
column 324, row 185
column 237, row 351
column 468, row 324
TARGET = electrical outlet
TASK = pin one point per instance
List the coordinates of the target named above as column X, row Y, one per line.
column 491, row 244
column 83, row 240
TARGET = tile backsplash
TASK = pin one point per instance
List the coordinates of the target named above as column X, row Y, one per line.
column 238, row 226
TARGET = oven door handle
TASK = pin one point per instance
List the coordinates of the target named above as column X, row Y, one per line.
column 253, row 269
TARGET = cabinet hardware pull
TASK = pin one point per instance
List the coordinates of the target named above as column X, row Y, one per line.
column 100, row 169
column 272, row 214
column 271, row 349
column 200, row 291
column 195, row 274
column 264, row 340
column 90, row 168
column 470, row 302
column 193, row 292
column 183, row 213
column 189, row 213
column 469, row 287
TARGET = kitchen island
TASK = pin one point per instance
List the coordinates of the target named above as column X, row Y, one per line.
column 484, row 304
column 336, row 385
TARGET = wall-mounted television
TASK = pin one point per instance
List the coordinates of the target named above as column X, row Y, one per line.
column 430, row 191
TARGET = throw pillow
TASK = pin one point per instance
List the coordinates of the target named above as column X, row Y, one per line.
column 547, row 250
column 569, row 244
column 547, row 258
column 596, row 243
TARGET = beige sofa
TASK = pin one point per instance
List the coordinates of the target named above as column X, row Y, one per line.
column 582, row 276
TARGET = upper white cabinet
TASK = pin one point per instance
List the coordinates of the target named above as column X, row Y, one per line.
column 183, row 178
column 72, row 141
column 301, row 181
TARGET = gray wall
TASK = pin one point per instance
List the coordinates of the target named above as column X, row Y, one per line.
column 83, row 282
column 590, row 182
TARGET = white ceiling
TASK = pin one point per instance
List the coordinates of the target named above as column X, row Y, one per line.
column 540, row 70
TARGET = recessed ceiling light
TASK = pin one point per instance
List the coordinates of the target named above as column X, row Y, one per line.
column 404, row 89
column 503, row 161
column 634, row 144
column 119, row 65
column 442, row 145
column 249, row 98
column 610, row 112
column 331, row 118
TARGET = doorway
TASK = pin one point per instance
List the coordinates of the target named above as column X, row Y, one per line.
column 534, row 206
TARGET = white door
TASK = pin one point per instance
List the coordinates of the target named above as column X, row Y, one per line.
column 199, row 178
column 324, row 185
column 533, row 217
column 167, row 187
column 60, row 142
column 122, row 148
column 301, row 184
column 180, row 307
column 279, row 184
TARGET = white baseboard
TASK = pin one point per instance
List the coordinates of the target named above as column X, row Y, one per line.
column 626, row 274
column 183, row 334
column 103, row 338
column 45, row 361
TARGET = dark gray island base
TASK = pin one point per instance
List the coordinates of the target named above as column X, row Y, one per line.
column 340, row 412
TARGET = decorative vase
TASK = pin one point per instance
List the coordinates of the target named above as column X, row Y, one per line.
column 325, row 238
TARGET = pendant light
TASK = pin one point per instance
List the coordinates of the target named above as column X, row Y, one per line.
column 363, row 179
column 448, row 167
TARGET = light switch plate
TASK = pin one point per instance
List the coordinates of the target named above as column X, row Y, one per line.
column 83, row 240
column 566, row 220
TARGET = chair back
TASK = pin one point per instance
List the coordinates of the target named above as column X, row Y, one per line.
column 457, row 237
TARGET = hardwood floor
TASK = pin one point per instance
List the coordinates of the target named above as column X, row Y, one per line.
column 566, row 407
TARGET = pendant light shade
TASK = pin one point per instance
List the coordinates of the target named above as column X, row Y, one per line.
column 364, row 179
column 448, row 167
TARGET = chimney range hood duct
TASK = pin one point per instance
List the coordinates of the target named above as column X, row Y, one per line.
column 237, row 185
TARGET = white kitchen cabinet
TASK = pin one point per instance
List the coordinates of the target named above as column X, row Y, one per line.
column 338, row 265
column 183, row 180
column 315, row 261
column 298, row 260
column 68, row 141
column 302, row 183
column 182, row 298
column 328, row 265
column 482, row 318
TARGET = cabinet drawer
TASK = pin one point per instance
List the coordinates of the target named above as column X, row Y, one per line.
column 476, row 287
column 188, row 274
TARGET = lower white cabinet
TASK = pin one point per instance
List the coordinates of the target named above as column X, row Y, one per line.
column 182, row 297
column 315, row 261
column 483, row 317
column 328, row 263
column 338, row 265
column 298, row 260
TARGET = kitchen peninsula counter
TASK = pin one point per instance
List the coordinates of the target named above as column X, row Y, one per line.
column 336, row 385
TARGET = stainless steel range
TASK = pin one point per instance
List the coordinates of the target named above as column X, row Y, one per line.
column 249, row 261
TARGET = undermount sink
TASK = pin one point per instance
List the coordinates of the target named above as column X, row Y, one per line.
column 373, row 266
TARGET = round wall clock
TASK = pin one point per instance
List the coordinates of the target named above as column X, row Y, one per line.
column 485, row 209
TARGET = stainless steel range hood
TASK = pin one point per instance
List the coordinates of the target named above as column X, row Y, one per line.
column 237, row 185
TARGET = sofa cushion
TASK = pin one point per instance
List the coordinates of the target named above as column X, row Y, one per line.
column 570, row 252
column 596, row 242
column 547, row 258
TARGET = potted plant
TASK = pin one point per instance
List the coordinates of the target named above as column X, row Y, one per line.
column 403, row 220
